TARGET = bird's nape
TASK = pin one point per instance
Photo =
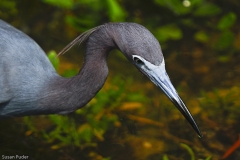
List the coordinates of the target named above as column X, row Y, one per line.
column 81, row 38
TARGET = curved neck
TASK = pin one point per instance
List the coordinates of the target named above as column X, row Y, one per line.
column 66, row 95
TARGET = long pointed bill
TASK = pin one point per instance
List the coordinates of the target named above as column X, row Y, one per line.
column 159, row 77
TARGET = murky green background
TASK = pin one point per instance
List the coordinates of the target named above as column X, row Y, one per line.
column 130, row 118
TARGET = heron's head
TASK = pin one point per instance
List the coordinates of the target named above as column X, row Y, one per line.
column 144, row 51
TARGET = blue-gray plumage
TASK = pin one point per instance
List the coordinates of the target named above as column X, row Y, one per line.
column 29, row 85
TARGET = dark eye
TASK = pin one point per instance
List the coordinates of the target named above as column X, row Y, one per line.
column 138, row 61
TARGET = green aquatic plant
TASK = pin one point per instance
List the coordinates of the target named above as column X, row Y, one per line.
column 190, row 152
column 221, row 103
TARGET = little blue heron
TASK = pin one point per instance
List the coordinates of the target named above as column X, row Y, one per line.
column 29, row 85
